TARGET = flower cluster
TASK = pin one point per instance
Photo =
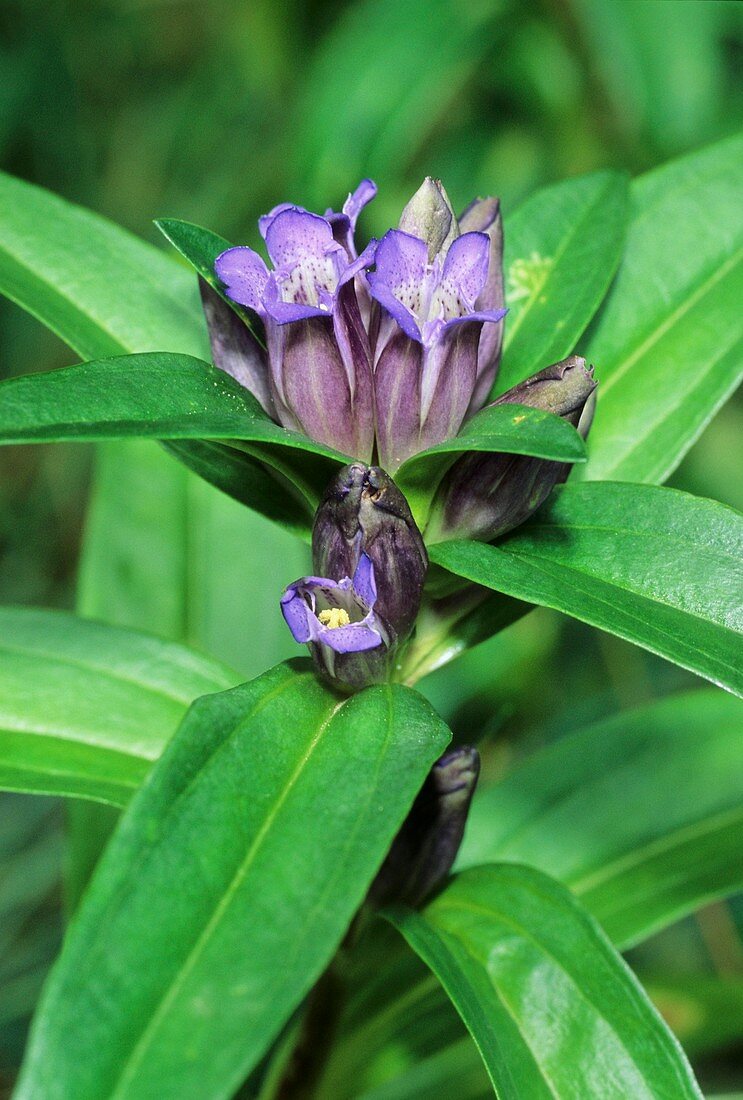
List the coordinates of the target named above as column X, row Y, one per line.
column 389, row 359
column 381, row 353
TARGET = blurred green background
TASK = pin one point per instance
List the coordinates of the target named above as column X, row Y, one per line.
column 213, row 112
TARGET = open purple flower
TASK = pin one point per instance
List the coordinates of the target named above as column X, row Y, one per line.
column 426, row 352
column 336, row 618
column 319, row 361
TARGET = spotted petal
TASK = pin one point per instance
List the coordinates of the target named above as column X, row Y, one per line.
column 244, row 275
column 399, row 281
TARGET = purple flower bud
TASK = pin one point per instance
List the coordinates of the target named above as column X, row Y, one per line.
column 483, row 216
column 234, row 348
column 425, row 355
column 364, row 514
column 429, row 216
column 484, row 495
column 424, row 850
column 320, row 375
column 337, row 619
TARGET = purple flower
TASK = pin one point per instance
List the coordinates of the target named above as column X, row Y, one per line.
column 338, row 622
column 378, row 365
column 426, row 351
column 319, row 362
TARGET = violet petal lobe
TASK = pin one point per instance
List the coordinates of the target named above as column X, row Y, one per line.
column 463, row 275
column 399, row 282
column 245, row 276
column 234, row 348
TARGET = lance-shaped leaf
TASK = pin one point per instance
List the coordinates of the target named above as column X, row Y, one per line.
column 157, row 395
column 668, row 346
column 173, row 397
column 655, row 566
column 105, row 293
column 552, row 1007
column 511, row 429
column 85, row 708
column 230, row 881
column 564, row 811
column 562, row 249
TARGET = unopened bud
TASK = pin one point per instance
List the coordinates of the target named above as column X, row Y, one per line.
column 484, row 495
column 424, row 850
column 363, row 512
column 429, row 216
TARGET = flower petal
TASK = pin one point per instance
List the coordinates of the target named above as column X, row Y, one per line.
column 299, row 618
column 234, row 348
column 463, row 276
column 354, row 638
column 358, row 199
column 245, row 275
column 265, row 220
column 398, row 283
column 364, row 582
column 294, row 236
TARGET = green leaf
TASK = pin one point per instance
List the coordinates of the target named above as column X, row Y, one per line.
column 513, row 429
column 601, row 811
column 553, row 1009
column 104, row 703
column 562, row 248
column 100, row 289
column 655, row 566
column 668, row 347
column 105, row 293
column 156, row 395
column 166, row 396
column 229, row 883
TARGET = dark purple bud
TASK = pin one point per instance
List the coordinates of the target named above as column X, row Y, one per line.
column 424, row 850
column 320, row 372
column 337, row 619
column 425, row 355
column 430, row 217
column 234, row 348
column 483, row 216
column 363, row 513
column 484, row 495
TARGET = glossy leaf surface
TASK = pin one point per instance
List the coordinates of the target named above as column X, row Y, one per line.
column 254, row 840
column 85, row 708
column 655, row 566
column 554, row 1010
column 512, row 429
column 668, row 346
column 562, row 247
column 601, row 810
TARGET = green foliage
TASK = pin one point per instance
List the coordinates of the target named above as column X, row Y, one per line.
column 105, row 701
column 652, row 565
column 668, row 345
column 516, row 954
column 562, row 248
column 564, row 811
column 639, row 814
column 274, row 790
column 513, row 429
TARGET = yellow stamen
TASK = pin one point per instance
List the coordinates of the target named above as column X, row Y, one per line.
column 334, row 617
